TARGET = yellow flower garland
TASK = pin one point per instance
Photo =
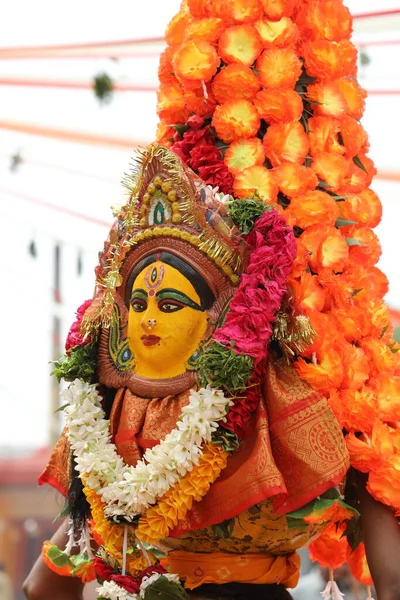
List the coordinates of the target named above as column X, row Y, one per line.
column 112, row 535
column 156, row 524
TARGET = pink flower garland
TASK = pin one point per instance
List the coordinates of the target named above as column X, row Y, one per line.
column 254, row 306
column 75, row 337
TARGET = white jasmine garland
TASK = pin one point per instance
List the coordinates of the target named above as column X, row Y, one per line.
column 112, row 591
column 128, row 491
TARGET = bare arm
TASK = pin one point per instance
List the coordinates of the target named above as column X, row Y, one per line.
column 44, row 584
column 382, row 543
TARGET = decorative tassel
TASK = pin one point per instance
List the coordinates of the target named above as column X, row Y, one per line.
column 369, row 593
column 124, row 550
column 144, row 552
column 332, row 591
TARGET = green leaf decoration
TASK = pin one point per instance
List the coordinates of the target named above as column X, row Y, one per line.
column 180, row 128
column 58, row 557
column 323, row 184
column 244, row 213
column 163, row 589
column 295, row 523
column 79, row 363
column 353, row 533
column 359, row 164
column 331, row 494
column 221, row 367
column 226, row 439
column 354, row 242
column 61, row 408
column 303, row 511
column 225, row 529
column 344, row 222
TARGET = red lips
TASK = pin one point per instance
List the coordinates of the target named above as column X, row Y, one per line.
column 150, row 340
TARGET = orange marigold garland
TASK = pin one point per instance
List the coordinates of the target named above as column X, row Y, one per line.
column 282, row 118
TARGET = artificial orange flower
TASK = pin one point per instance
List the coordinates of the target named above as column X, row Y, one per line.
column 323, row 135
column 351, row 321
column 165, row 68
column 369, row 249
column 330, row 60
column 356, row 366
column 281, row 34
column 331, row 548
column 360, row 409
column 384, row 484
column 363, row 456
column 164, row 134
column 387, row 388
column 332, row 169
column 355, row 181
column 279, row 106
column 236, row 119
column 333, row 252
column 276, row 9
column 171, row 102
column 199, row 99
column 294, row 179
column 327, row 371
column 256, row 180
column 354, row 96
column 365, row 208
column 240, row 44
column 196, row 61
column 327, row 99
column 353, row 135
column 243, row 154
column 235, row 82
column 307, row 293
column 176, row 28
column 198, row 8
column 378, row 314
column 312, row 208
column 335, row 405
column 300, row 263
column 326, row 331
column 383, row 439
column 286, row 142
column 85, row 572
column 357, row 561
column 241, row 11
column 279, row 68
column 205, row 29
column 379, row 354
column 378, row 283
column 312, row 238
column 326, row 19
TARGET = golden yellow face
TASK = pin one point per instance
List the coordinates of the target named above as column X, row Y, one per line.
column 166, row 321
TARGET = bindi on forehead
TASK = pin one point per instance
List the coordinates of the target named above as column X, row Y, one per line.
column 154, row 277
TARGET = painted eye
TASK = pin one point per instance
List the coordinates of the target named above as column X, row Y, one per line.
column 138, row 305
column 167, row 306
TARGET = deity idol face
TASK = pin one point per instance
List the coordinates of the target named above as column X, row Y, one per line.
column 166, row 321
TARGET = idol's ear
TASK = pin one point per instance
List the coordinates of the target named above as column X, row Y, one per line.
column 115, row 359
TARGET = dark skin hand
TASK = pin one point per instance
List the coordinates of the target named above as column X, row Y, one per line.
column 44, row 584
column 382, row 543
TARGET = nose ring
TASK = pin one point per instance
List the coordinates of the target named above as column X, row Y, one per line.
column 151, row 323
